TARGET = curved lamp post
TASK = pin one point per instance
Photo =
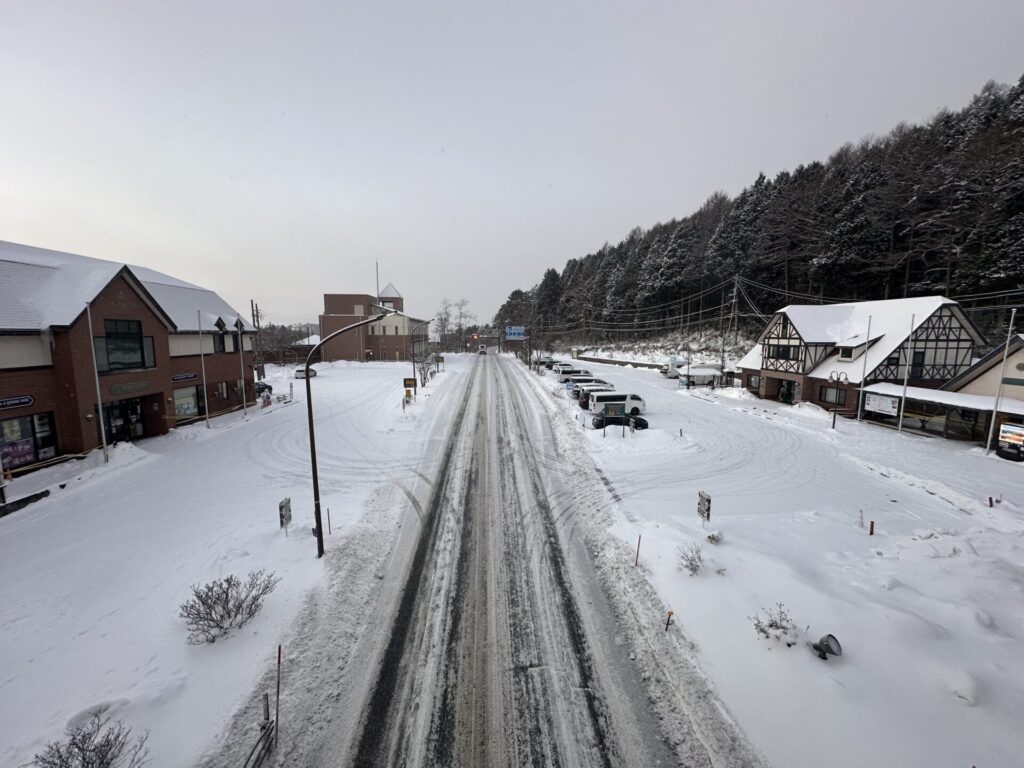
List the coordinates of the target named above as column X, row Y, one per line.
column 312, row 437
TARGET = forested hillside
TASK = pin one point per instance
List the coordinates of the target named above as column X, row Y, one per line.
column 925, row 209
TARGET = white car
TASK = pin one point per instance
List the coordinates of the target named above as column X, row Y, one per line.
column 300, row 373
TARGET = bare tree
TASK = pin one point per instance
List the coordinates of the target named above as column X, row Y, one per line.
column 97, row 743
column 461, row 316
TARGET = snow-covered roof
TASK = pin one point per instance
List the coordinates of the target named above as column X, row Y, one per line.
column 953, row 399
column 40, row 288
column 390, row 292
column 986, row 363
column 309, row 341
column 751, row 360
column 846, row 325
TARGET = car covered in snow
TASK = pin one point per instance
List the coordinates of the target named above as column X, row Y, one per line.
column 300, row 373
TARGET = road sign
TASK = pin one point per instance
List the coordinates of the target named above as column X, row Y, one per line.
column 703, row 505
column 284, row 512
column 409, row 383
column 515, row 333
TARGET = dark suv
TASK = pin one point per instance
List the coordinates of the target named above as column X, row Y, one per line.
column 262, row 386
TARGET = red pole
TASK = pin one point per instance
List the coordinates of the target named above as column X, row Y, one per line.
column 637, row 561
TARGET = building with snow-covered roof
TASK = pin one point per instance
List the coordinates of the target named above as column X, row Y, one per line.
column 392, row 338
column 821, row 353
column 151, row 336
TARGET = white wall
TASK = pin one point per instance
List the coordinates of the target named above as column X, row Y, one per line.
column 988, row 382
column 188, row 344
column 25, row 351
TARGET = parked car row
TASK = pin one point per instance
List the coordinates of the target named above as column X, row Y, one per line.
column 595, row 395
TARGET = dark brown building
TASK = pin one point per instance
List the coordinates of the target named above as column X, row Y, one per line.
column 388, row 339
column 143, row 349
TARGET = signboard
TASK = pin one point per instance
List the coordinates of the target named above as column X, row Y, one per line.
column 1012, row 434
column 129, row 388
column 890, row 406
column 409, row 383
column 616, row 410
column 16, row 402
column 703, row 505
column 284, row 512
column 184, row 376
column 515, row 333
column 440, row 358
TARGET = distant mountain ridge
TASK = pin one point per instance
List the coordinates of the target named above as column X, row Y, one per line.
column 925, row 209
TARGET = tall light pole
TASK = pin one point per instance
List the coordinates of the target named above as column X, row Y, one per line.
column 312, row 434
column 999, row 390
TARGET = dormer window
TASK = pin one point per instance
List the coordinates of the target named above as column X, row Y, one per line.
column 846, row 353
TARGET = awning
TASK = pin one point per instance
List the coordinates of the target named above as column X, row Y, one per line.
column 951, row 399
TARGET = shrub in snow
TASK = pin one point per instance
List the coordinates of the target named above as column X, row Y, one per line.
column 690, row 557
column 225, row 604
column 715, row 537
column 98, row 743
column 775, row 623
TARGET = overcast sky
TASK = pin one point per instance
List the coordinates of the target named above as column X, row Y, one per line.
column 275, row 150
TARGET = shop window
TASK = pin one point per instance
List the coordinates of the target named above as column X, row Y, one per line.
column 754, row 381
column 123, row 347
column 27, row 439
column 186, row 402
column 833, row 395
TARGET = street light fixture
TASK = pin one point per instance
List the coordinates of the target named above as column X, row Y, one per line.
column 312, row 436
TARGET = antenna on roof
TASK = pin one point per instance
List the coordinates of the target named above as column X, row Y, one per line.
column 376, row 265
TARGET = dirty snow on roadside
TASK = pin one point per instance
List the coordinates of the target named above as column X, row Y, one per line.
column 929, row 610
column 93, row 575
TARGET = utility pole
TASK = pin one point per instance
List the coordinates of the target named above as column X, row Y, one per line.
column 1002, row 379
column 735, row 314
column 259, row 338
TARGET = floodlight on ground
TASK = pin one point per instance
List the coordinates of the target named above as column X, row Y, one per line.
column 826, row 646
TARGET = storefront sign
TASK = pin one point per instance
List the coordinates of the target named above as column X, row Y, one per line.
column 184, row 376
column 1012, row 434
column 18, row 453
column 16, row 402
column 128, row 388
column 890, row 406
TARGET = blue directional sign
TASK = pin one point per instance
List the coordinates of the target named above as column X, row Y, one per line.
column 515, row 333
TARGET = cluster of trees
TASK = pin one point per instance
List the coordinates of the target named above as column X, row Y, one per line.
column 926, row 209
column 452, row 325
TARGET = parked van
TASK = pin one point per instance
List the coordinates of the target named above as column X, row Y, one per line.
column 583, row 391
column 556, row 367
column 634, row 403
column 567, row 373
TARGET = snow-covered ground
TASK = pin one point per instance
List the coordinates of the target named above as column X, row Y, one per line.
column 929, row 610
column 93, row 575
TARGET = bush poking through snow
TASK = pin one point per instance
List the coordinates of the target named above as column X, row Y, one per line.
column 775, row 623
column 715, row 537
column 97, row 743
column 225, row 604
column 690, row 557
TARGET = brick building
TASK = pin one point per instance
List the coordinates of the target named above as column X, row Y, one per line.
column 388, row 339
column 146, row 333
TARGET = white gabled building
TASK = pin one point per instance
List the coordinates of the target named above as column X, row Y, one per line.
column 821, row 353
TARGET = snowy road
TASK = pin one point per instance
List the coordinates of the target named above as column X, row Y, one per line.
column 497, row 657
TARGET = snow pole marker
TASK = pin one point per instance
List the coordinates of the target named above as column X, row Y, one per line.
column 871, row 530
column 668, row 620
column 637, row 561
column 277, row 701
column 328, row 521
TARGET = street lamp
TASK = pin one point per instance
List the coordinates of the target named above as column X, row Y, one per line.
column 312, row 436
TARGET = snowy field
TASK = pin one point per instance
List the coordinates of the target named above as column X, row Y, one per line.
column 93, row 575
column 929, row 610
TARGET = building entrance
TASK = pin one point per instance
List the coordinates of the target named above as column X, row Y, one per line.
column 123, row 420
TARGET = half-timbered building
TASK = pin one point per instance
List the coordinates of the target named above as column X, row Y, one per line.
column 822, row 353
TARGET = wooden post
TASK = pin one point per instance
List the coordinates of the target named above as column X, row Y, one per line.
column 668, row 620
